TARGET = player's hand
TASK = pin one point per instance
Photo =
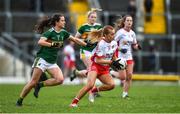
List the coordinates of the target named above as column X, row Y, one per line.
column 115, row 65
column 139, row 47
column 56, row 44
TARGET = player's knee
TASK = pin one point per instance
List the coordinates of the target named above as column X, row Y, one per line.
column 122, row 77
column 33, row 83
column 60, row 80
column 129, row 77
column 111, row 86
column 90, row 85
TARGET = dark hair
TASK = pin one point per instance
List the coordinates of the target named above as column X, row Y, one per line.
column 120, row 22
column 47, row 22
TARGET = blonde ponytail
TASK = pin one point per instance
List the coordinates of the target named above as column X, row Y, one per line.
column 95, row 36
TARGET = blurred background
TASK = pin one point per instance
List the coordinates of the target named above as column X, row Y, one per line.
column 156, row 23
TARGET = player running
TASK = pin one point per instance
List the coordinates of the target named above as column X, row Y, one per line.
column 126, row 39
column 46, row 58
column 103, row 57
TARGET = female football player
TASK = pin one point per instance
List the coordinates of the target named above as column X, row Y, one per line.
column 104, row 54
column 126, row 39
column 86, row 52
column 46, row 58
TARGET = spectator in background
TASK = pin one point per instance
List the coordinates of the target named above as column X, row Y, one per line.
column 69, row 58
column 131, row 9
column 148, row 5
column 34, row 3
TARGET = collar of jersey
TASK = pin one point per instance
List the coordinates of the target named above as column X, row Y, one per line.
column 90, row 24
column 56, row 31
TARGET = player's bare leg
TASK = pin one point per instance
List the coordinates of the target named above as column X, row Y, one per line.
column 108, row 84
column 57, row 79
column 27, row 88
column 129, row 72
column 90, row 84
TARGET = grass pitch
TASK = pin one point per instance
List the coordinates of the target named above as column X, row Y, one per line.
column 144, row 99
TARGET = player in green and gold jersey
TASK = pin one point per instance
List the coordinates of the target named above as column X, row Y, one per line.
column 46, row 58
column 82, row 33
column 86, row 52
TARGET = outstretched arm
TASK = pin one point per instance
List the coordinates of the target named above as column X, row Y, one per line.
column 78, row 41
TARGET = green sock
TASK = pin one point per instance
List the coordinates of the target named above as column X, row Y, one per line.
column 20, row 99
column 41, row 84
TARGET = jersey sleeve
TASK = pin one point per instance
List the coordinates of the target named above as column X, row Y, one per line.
column 134, row 38
column 100, row 26
column 100, row 50
column 46, row 34
column 66, row 34
column 81, row 30
column 117, row 36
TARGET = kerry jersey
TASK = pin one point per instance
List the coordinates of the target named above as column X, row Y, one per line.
column 84, row 31
column 50, row 53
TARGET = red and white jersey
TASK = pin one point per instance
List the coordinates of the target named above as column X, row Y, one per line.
column 125, row 40
column 104, row 50
column 70, row 53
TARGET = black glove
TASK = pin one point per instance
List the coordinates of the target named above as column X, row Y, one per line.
column 139, row 47
column 116, row 65
column 123, row 51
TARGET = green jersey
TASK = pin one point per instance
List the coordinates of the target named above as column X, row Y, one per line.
column 50, row 53
column 84, row 30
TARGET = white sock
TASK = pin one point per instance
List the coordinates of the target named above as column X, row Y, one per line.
column 124, row 93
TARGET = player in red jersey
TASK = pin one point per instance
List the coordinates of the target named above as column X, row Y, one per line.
column 102, row 58
column 126, row 39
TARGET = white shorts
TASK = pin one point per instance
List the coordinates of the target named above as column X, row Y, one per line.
column 85, row 54
column 42, row 64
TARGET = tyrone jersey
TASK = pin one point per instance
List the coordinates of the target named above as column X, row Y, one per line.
column 104, row 50
column 70, row 53
column 50, row 53
column 125, row 40
column 84, row 30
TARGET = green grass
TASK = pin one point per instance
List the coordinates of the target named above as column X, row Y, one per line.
column 144, row 99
